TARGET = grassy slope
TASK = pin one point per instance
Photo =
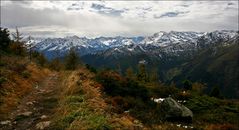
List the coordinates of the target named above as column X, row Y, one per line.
column 18, row 77
column 82, row 105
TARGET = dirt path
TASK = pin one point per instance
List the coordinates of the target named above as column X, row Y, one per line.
column 35, row 110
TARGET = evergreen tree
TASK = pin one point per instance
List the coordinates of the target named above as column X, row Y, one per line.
column 55, row 64
column 153, row 76
column 215, row 92
column 17, row 36
column 187, row 85
column 142, row 75
column 71, row 60
column 41, row 60
column 4, row 39
column 130, row 73
column 17, row 46
column 119, row 70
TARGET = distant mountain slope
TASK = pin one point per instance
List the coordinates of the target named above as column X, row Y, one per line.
column 215, row 66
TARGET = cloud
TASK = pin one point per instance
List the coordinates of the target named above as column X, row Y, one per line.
column 106, row 10
column 113, row 18
column 170, row 14
column 76, row 6
column 22, row 2
column 17, row 15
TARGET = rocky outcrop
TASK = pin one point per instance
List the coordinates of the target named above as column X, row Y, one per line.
column 174, row 111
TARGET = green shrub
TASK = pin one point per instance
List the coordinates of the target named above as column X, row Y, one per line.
column 25, row 74
column 74, row 99
column 2, row 63
column 216, row 92
column 71, row 60
column 2, row 80
column 90, row 68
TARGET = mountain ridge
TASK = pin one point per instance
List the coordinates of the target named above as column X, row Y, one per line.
column 167, row 40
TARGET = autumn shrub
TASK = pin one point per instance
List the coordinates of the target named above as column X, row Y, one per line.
column 18, row 48
column 115, row 85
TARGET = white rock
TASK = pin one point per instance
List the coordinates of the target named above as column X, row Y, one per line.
column 43, row 125
column 43, row 117
column 157, row 100
column 26, row 113
column 29, row 103
column 7, row 122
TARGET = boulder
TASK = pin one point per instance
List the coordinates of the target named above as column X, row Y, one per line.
column 174, row 111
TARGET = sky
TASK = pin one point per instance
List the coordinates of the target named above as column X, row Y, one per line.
column 117, row 18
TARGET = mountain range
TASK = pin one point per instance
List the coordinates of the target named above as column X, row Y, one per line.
column 172, row 43
column 207, row 57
